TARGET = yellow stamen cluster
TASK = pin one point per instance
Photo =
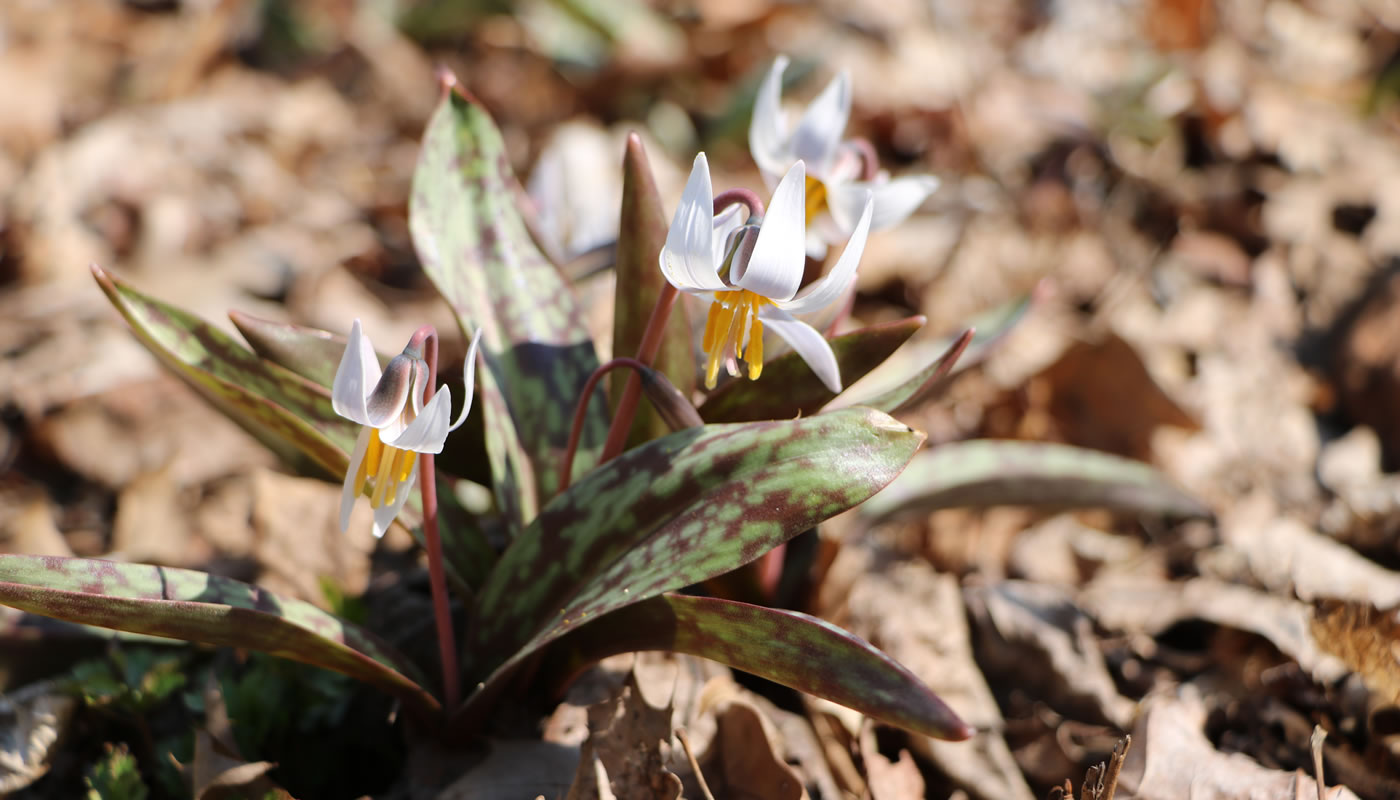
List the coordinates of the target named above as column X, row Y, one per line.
column 816, row 198
column 390, row 467
column 734, row 317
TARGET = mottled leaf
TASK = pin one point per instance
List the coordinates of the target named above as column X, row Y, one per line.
column 311, row 353
column 919, row 386
column 641, row 233
column 788, row 387
column 197, row 607
column 946, row 356
column 536, row 351
column 287, row 413
column 677, row 511
column 991, row 472
column 787, row 647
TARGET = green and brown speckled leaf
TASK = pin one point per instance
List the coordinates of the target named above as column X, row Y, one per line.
column 311, row 353
column 945, row 356
column 536, row 350
column 788, row 387
column 641, row 233
column 287, row 413
column 991, row 472
column 787, row 647
column 677, row 511
column 198, row 607
column 918, row 386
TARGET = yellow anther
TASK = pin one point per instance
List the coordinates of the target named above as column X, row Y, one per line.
column 408, row 459
column 711, row 322
column 734, row 315
column 816, row 198
column 383, row 478
column 754, row 354
column 370, row 460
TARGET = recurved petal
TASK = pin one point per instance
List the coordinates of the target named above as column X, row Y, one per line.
column 688, row 257
column 468, row 381
column 384, row 517
column 768, row 136
column 775, row 268
column 834, row 284
column 428, row 431
column 809, row 344
column 895, row 200
column 347, row 489
column 355, row 378
column 818, row 134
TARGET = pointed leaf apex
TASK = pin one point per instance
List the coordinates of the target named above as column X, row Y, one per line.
column 447, row 80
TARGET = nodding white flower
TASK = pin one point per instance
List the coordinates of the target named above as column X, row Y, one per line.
column 835, row 190
column 397, row 426
column 751, row 273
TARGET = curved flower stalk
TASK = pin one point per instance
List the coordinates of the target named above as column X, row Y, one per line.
column 751, row 273
column 839, row 173
column 397, row 425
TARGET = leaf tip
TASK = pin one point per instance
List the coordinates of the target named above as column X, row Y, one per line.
column 447, row 81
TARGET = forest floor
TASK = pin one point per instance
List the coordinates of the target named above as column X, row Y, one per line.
column 1202, row 196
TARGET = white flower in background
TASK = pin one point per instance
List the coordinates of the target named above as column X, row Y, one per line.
column 397, row 426
column 752, row 273
column 836, row 169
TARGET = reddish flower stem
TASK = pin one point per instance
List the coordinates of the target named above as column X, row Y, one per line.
column 437, row 577
column 632, row 392
column 729, row 197
column 581, row 410
column 651, row 341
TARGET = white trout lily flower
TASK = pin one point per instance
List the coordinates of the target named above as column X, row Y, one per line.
column 397, row 426
column 751, row 273
column 835, row 191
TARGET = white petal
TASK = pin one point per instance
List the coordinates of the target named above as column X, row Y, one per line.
column 894, row 200
column 808, row 343
column 688, row 258
column 347, row 489
column 768, row 137
column 355, row 377
column 780, row 254
column 428, row 431
column 384, row 517
column 835, row 283
column 818, row 133
column 468, row 381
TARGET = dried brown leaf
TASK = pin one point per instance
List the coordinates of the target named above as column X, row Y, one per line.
column 1365, row 638
column 1034, row 635
column 628, row 745
column 743, row 764
column 1130, row 605
column 31, row 722
column 1172, row 759
column 889, row 780
column 935, row 645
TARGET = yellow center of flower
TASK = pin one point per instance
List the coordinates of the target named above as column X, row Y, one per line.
column 390, row 466
column 816, row 198
column 734, row 318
